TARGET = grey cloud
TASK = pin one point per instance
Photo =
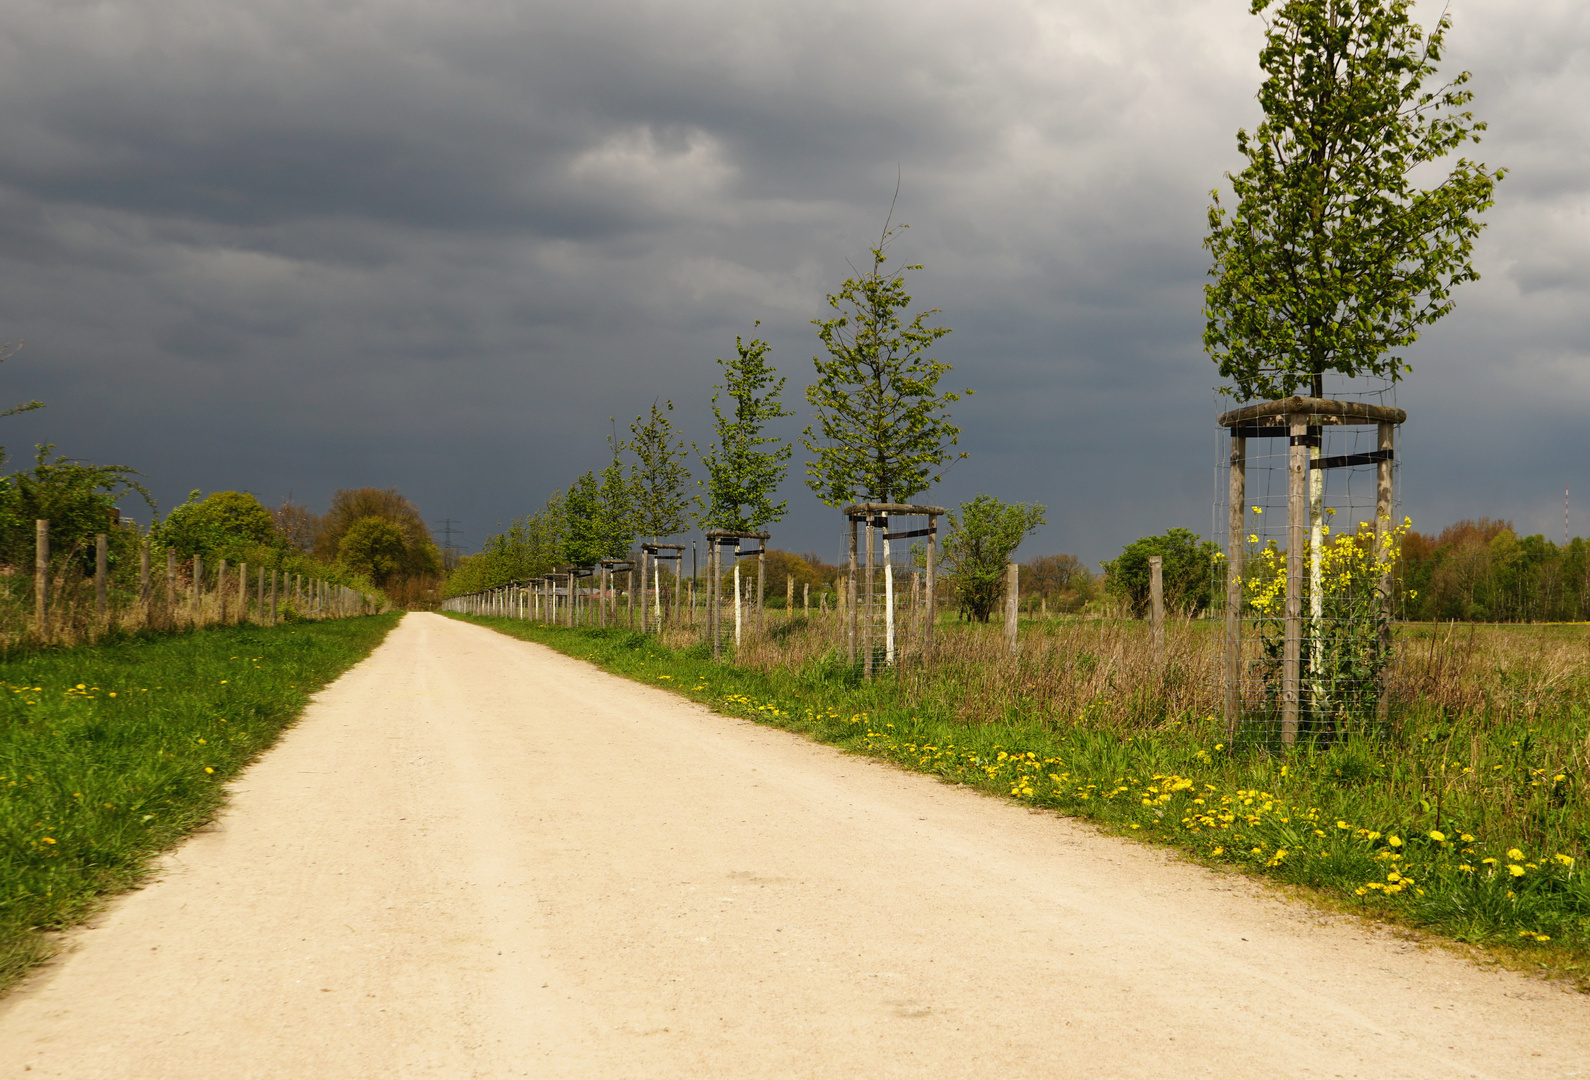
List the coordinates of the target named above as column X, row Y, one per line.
column 293, row 247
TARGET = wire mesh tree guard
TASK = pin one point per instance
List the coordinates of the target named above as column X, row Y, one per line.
column 652, row 556
column 1315, row 595
column 717, row 540
column 861, row 629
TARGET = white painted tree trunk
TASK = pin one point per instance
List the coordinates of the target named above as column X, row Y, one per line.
column 1316, row 554
column 888, row 602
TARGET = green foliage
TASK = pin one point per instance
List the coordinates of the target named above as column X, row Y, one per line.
column 349, row 506
column 220, row 526
column 375, row 547
column 883, row 430
column 598, row 523
column 980, row 544
column 616, row 508
column 1187, row 572
column 531, row 546
column 741, row 475
column 93, row 786
column 660, row 479
column 1333, row 259
column 79, row 501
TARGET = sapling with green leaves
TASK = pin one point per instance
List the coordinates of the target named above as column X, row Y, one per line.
column 660, row 483
column 746, row 465
column 1334, row 258
column 883, row 430
column 980, row 543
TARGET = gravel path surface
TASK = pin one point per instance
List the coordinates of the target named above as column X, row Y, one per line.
column 475, row 857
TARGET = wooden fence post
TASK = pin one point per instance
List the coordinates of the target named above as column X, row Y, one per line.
column 931, row 585
column 220, row 588
column 171, row 586
column 1156, row 605
column 41, row 578
column 242, row 592
column 850, row 600
column 789, row 596
column 1236, row 554
column 1012, row 590
column 101, row 577
column 198, row 587
column 145, row 595
column 273, row 597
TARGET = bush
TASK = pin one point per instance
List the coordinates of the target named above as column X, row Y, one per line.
column 1189, row 566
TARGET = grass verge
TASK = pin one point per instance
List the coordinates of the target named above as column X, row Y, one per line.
column 1361, row 822
column 112, row 753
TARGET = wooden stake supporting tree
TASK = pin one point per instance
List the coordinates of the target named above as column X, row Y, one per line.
column 873, row 518
column 1303, row 422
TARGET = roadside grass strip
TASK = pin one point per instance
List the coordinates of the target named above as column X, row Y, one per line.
column 1331, row 821
column 112, row 753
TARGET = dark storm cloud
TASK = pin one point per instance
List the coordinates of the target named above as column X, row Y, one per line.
column 292, row 247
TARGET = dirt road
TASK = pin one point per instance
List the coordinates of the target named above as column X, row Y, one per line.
column 477, row 858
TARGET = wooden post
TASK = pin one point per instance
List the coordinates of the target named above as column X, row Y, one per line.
column 806, row 599
column 931, row 585
column 259, row 596
column 242, row 592
column 41, row 578
column 866, row 659
column 761, row 587
column 1383, row 531
column 1156, row 605
column 145, row 595
column 171, row 586
column 220, row 588
column 712, row 594
column 101, row 577
column 1236, row 557
column 273, row 597
column 1012, row 594
column 789, row 596
column 850, row 600
column 1296, row 526
column 198, row 587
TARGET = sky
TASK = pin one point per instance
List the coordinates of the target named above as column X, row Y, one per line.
column 291, row 247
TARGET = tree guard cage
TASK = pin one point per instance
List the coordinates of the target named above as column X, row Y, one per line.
column 861, row 630
column 609, row 593
column 1308, row 604
column 717, row 540
column 652, row 556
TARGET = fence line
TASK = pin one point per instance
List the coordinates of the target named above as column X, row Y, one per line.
column 71, row 606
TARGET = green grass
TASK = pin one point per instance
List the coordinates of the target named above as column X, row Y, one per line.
column 110, row 754
column 1489, row 850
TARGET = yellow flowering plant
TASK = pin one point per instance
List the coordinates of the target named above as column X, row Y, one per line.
column 1346, row 647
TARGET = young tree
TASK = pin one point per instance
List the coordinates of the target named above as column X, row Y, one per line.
column 883, row 430
column 583, row 533
column 741, row 474
column 660, row 477
column 979, row 546
column 1333, row 258
column 617, row 505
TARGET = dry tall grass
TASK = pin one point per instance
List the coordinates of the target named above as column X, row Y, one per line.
column 74, row 617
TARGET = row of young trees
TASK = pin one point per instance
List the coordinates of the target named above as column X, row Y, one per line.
column 881, row 432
